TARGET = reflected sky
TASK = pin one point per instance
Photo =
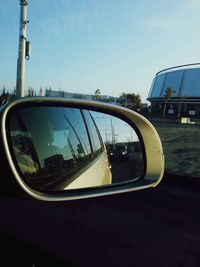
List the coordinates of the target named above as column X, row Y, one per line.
column 111, row 127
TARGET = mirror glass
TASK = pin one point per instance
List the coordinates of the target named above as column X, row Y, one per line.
column 59, row 148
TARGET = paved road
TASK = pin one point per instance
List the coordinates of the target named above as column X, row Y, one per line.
column 157, row 227
column 126, row 169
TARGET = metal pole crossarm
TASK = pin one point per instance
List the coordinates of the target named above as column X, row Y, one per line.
column 24, row 2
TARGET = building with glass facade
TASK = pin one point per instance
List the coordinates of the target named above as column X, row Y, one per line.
column 185, row 81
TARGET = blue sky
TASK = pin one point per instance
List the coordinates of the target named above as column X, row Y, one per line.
column 116, row 46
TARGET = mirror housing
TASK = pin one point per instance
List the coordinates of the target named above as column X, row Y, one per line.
column 152, row 149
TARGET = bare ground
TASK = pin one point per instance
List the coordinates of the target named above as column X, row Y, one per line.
column 181, row 145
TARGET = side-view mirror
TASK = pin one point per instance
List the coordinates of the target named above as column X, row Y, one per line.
column 59, row 149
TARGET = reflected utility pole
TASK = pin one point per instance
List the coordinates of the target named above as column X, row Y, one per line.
column 107, row 136
column 113, row 133
column 24, row 49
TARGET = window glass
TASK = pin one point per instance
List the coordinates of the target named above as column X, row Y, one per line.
column 50, row 143
column 174, row 80
column 191, row 83
column 157, row 86
column 94, row 133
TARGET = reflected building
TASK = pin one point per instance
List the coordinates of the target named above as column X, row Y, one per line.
column 89, row 97
column 185, row 101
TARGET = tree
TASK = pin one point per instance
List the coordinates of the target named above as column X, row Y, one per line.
column 97, row 94
column 111, row 99
column 41, row 92
column 137, row 100
column 5, row 98
column 168, row 94
column 131, row 101
column 183, row 99
column 31, row 91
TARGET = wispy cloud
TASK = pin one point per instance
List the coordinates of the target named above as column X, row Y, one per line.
column 158, row 23
column 67, row 19
column 192, row 3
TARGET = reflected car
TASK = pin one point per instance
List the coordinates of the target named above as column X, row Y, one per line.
column 121, row 152
column 118, row 152
column 59, row 148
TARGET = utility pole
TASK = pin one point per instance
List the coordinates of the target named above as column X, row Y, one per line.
column 24, row 49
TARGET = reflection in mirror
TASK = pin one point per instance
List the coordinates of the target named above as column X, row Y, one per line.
column 122, row 145
column 57, row 148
